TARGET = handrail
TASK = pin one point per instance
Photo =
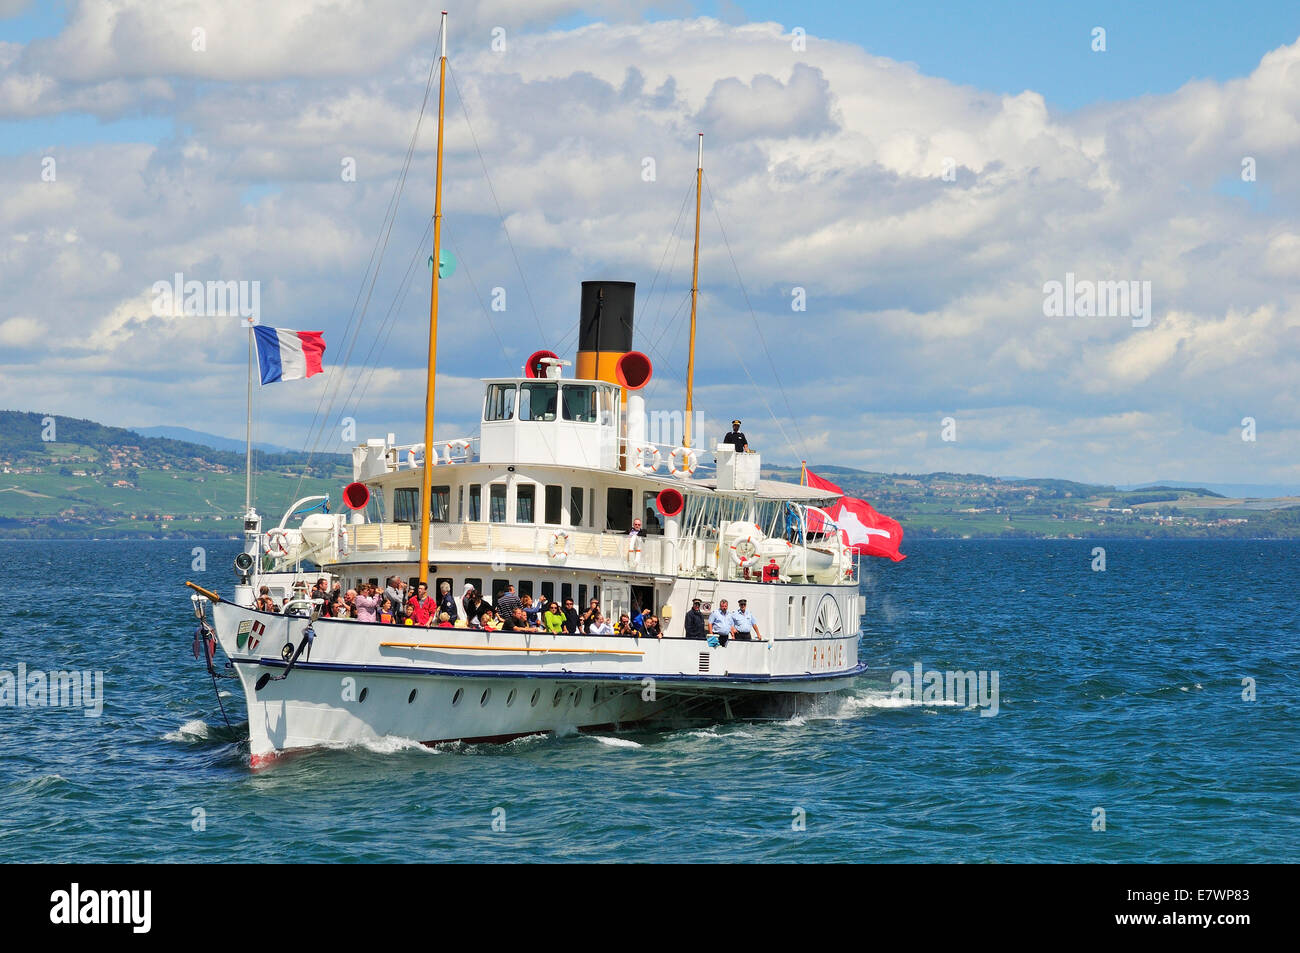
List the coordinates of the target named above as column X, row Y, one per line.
column 505, row 648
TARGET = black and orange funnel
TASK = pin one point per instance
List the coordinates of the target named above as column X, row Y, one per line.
column 604, row 329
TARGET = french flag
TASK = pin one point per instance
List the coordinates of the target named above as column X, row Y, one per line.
column 285, row 355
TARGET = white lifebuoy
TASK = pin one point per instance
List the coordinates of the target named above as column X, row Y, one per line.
column 690, row 460
column 276, row 541
column 559, row 546
column 633, row 550
column 455, row 445
column 749, row 547
column 640, row 465
column 410, row 455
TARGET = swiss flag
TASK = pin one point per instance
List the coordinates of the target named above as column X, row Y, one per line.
column 868, row 532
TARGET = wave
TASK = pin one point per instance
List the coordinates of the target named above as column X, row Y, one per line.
column 194, row 730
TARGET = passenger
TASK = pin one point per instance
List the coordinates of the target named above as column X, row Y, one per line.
column 517, row 621
column 625, row 626
column 321, row 590
column 721, row 625
column 696, row 627
column 422, row 606
column 447, row 602
column 264, row 601
column 533, row 609
column 366, row 602
column 589, row 616
column 386, row 612
column 474, row 608
column 341, row 610
column 489, row 621
column 744, row 623
column 736, row 438
column 396, row 598
column 636, row 529
column 507, row 602
column 335, row 596
column 350, row 603
column 444, row 621
column 638, row 620
column 600, row 626
column 573, row 623
column 652, row 630
column 554, row 620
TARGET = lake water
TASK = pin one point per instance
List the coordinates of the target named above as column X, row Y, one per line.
column 1119, row 690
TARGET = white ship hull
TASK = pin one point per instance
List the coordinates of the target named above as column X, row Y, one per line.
column 360, row 682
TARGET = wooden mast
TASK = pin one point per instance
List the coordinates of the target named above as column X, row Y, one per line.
column 431, row 454
column 695, row 294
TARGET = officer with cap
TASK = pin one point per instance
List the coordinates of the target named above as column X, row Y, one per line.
column 736, row 438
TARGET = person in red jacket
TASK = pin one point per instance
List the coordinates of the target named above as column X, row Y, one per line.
column 423, row 605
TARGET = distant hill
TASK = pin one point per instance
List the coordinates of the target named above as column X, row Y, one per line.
column 187, row 435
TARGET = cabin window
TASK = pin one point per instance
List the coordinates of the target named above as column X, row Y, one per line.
column 554, row 505
column 537, row 401
column 497, row 502
column 406, row 504
column 525, row 588
column 576, row 494
column 566, row 593
column 440, row 503
column 475, row 582
column 579, row 402
column 475, row 503
column 618, row 509
column 524, row 498
column 498, row 590
column 582, row 595
column 548, row 593
column 591, row 508
column 650, row 518
column 500, row 403
column 436, row 589
column 608, row 405
column 460, row 503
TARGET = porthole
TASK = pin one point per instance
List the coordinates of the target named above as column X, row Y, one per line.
column 483, row 699
column 577, row 698
column 510, row 699
column 537, row 693
column 455, row 699
column 411, row 697
column 555, row 702
column 362, row 696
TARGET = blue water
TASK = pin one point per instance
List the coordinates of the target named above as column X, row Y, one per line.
column 1119, row 690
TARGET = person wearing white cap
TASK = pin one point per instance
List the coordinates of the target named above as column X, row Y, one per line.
column 736, row 438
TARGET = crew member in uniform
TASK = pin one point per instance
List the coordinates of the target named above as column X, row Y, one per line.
column 744, row 624
column 736, row 438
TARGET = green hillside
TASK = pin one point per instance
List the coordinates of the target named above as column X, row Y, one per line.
column 92, row 480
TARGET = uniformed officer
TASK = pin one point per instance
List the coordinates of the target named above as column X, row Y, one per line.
column 736, row 438
column 744, row 623
column 721, row 625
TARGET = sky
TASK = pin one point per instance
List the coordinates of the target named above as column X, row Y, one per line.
column 893, row 191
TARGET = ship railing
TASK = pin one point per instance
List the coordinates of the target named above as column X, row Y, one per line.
column 410, row 456
column 549, row 545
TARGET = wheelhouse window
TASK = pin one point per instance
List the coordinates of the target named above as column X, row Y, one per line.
column 537, row 401
column 579, row 402
column 475, row 503
column 650, row 518
column 497, row 502
column 525, row 497
column 500, row 403
column 618, row 509
column 554, row 505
